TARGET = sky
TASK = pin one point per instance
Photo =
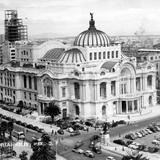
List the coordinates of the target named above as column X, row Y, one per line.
column 70, row 17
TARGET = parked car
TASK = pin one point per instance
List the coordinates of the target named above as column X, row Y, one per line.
column 157, row 128
column 78, row 150
column 138, row 134
column 156, row 142
column 76, row 133
column 153, row 149
column 60, row 131
column 30, row 126
column 148, row 130
column 89, row 153
column 110, row 158
column 92, row 144
column 95, row 138
column 89, row 123
column 24, row 124
column 153, row 129
column 41, row 130
column 70, row 130
column 97, row 150
column 120, row 141
column 130, row 136
column 78, row 144
column 141, row 147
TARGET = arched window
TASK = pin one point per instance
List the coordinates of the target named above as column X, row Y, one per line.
column 103, row 90
column 77, row 90
column 113, row 70
column 103, row 110
column 48, row 89
column 102, row 73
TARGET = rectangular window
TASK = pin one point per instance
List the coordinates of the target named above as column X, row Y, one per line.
column 63, row 91
column 25, row 81
column 99, row 55
column 13, row 82
column 35, row 97
column 108, row 54
column 116, row 54
column 30, row 82
column 95, row 55
column 35, row 83
column 104, row 55
column 90, row 56
column 112, row 54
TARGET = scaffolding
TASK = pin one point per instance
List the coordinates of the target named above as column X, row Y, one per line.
column 14, row 28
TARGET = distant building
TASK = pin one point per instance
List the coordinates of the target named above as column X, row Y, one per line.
column 15, row 30
column 21, row 51
column 153, row 56
column 1, row 38
column 18, row 83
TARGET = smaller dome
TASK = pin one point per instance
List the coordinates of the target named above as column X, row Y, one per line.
column 73, row 55
column 92, row 37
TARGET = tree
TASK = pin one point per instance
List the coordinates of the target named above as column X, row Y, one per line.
column 10, row 129
column 23, row 155
column 20, row 105
column 43, row 151
column 4, row 128
column 52, row 110
column 45, row 138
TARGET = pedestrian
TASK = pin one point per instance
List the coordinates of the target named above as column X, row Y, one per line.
column 87, row 129
column 55, row 133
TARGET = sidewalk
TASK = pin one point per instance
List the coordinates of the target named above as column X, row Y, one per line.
column 145, row 114
column 27, row 120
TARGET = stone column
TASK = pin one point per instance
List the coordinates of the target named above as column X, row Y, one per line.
column 145, row 82
column 153, row 82
column 141, row 84
column 133, row 106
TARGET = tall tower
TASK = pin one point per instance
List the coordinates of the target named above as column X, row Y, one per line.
column 14, row 28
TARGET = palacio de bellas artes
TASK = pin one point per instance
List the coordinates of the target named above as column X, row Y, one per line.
column 79, row 79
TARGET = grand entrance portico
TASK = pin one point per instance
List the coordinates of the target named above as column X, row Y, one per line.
column 128, row 106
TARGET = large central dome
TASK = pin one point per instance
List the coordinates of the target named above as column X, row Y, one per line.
column 92, row 37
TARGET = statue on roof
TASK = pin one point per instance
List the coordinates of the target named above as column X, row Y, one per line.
column 91, row 15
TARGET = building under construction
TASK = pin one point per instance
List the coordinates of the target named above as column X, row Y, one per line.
column 14, row 28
